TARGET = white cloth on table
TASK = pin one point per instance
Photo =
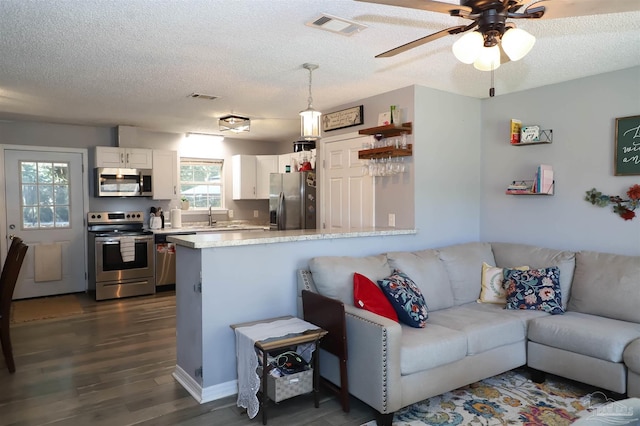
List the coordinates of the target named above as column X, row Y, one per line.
column 128, row 249
column 246, row 337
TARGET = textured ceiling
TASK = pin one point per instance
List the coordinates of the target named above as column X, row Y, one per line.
column 134, row 62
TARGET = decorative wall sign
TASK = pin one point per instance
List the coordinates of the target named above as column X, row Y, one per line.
column 627, row 151
column 344, row 118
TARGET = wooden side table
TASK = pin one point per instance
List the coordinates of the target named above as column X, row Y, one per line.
column 313, row 335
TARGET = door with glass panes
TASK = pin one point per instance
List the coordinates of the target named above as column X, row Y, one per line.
column 44, row 207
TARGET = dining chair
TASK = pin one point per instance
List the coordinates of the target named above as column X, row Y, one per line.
column 8, row 279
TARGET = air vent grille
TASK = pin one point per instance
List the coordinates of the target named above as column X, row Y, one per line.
column 203, row 96
column 335, row 24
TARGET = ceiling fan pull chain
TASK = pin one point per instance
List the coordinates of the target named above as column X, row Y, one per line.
column 492, row 89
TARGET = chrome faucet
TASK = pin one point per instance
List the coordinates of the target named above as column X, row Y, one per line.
column 211, row 221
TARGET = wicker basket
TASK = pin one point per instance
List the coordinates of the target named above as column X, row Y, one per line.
column 281, row 388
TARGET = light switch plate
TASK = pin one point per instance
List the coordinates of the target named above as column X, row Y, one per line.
column 256, row 213
column 392, row 219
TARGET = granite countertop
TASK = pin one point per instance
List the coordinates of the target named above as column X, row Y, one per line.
column 199, row 228
column 240, row 238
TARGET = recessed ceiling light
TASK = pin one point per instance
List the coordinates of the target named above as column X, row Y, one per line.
column 335, row 24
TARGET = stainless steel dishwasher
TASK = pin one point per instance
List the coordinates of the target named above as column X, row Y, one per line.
column 166, row 260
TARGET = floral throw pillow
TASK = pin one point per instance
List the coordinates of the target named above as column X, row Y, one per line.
column 406, row 298
column 535, row 289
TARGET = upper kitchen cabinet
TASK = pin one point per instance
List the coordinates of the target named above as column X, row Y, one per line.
column 251, row 176
column 128, row 158
column 165, row 175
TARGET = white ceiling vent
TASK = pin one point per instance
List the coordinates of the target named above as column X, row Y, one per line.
column 203, row 96
column 336, row 25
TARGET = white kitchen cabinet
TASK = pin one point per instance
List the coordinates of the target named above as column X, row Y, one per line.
column 265, row 165
column 165, row 175
column 251, row 176
column 128, row 158
column 284, row 160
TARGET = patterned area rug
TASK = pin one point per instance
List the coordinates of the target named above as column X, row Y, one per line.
column 44, row 307
column 507, row 399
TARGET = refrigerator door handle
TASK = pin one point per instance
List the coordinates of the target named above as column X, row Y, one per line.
column 280, row 212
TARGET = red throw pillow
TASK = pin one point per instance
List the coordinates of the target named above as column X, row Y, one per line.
column 367, row 295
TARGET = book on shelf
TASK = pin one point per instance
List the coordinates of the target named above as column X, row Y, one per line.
column 516, row 127
column 545, row 178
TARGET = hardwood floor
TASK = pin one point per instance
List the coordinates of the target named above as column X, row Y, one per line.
column 112, row 366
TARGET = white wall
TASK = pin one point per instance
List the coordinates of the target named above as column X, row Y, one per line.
column 582, row 115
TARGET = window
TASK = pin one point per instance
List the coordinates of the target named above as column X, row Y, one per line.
column 201, row 182
column 44, row 194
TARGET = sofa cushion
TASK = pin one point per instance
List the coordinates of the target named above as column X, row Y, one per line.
column 607, row 285
column 492, row 287
column 590, row 335
column 463, row 263
column 631, row 356
column 534, row 289
column 433, row 346
column 510, row 254
column 523, row 315
column 427, row 271
column 367, row 295
column 484, row 330
column 406, row 299
column 333, row 275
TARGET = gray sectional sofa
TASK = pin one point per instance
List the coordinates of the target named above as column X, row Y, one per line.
column 392, row 365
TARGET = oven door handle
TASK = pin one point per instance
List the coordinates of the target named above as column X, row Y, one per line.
column 112, row 241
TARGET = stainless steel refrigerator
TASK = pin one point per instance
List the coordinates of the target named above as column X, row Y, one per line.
column 292, row 200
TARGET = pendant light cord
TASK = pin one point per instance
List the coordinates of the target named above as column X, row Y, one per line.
column 310, row 100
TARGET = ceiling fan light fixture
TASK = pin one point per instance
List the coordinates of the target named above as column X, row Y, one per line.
column 468, row 47
column 234, row 123
column 516, row 43
column 310, row 118
column 489, row 59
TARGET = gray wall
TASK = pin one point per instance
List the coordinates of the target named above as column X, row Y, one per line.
column 582, row 115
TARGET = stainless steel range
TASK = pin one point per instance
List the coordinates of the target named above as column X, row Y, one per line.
column 121, row 255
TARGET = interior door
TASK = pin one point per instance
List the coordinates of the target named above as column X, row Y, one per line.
column 348, row 193
column 44, row 193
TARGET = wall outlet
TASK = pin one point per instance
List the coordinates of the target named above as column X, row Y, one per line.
column 392, row 219
column 230, row 212
column 256, row 213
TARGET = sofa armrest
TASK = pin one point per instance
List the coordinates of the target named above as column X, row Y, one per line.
column 374, row 359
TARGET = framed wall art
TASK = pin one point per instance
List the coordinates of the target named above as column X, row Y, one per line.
column 627, row 146
column 344, row 118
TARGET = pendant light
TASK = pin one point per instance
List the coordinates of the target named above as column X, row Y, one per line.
column 310, row 118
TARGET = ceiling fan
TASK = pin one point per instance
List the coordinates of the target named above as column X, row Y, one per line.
column 492, row 32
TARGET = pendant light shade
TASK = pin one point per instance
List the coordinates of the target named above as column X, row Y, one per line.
column 468, row 47
column 310, row 118
column 489, row 59
column 516, row 43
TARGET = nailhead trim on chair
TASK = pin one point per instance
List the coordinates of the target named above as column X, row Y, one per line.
column 306, row 279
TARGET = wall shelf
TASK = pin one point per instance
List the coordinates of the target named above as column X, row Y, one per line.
column 388, row 131
column 385, row 152
column 546, row 137
column 524, row 188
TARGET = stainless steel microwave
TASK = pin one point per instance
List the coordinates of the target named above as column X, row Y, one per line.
column 113, row 182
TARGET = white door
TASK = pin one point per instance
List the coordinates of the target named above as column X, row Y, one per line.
column 348, row 200
column 45, row 207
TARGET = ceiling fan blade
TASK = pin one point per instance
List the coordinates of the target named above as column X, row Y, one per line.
column 429, row 5
column 567, row 8
column 423, row 40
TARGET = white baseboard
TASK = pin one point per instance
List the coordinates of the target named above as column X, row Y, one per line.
column 208, row 394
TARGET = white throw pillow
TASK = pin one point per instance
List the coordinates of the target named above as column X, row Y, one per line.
column 492, row 290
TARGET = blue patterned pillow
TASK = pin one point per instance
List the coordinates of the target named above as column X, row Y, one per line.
column 536, row 289
column 406, row 299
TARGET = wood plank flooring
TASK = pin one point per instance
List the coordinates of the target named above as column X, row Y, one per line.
column 112, row 366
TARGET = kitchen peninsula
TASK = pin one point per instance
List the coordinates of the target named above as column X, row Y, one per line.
column 235, row 277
